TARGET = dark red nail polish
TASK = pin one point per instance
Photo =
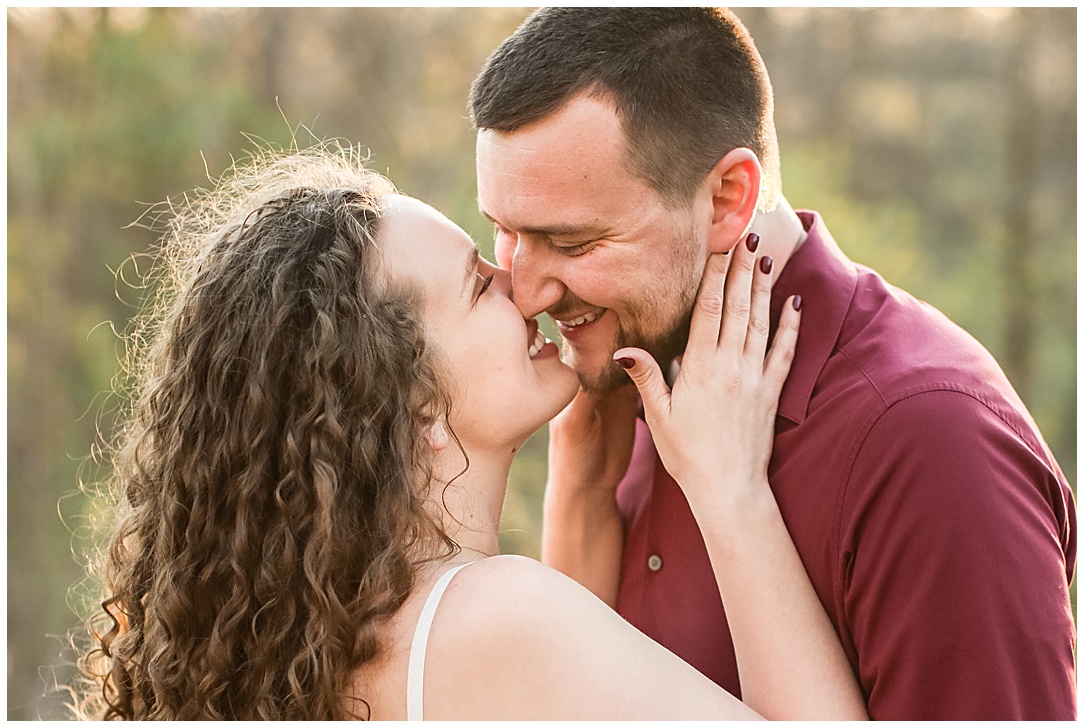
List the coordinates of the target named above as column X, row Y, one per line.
column 797, row 303
column 766, row 264
column 625, row 361
column 752, row 242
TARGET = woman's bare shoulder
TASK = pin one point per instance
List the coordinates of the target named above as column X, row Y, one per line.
column 519, row 640
column 522, row 571
column 519, row 596
column 489, row 590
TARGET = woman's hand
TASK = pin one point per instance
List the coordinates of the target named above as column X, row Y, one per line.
column 591, row 440
column 714, row 429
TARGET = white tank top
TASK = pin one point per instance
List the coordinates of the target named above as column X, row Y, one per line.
column 416, row 665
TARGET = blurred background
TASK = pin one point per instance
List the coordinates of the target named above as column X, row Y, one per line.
column 940, row 145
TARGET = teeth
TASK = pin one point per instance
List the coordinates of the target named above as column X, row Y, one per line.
column 586, row 318
column 536, row 346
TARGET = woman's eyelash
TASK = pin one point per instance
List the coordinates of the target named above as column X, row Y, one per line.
column 485, row 285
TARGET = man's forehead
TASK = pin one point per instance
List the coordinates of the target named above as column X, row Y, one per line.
column 585, row 130
column 520, row 155
column 544, row 188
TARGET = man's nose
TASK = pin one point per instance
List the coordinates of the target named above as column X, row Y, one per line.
column 536, row 282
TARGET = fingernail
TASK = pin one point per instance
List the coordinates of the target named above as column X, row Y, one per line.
column 626, row 361
column 766, row 264
column 797, row 303
column 752, row 242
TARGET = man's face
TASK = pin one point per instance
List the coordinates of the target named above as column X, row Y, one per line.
column 590, row 243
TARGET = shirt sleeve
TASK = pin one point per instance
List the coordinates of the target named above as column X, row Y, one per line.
column 954, row 541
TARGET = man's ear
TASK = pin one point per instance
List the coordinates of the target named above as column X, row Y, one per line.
column 437, row 436
column 734, row 186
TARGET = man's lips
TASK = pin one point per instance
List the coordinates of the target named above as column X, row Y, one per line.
column 570, row 323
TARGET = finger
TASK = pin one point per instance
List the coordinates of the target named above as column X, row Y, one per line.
column 738, row 284
column 708, row 311
column 756, row 338
column 646, row 375
column 777, row 367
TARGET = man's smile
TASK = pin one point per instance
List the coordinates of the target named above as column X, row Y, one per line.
column 572, row 322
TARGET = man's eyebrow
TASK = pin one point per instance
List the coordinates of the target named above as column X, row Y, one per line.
column 557, row 230
column 472, row 264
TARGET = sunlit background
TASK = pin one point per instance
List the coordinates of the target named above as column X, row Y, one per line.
column 940, row 144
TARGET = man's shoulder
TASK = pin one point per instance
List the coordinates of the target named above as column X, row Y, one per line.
column 900, row 363
column 903, row 368
column 897, row 346
column 867, row 342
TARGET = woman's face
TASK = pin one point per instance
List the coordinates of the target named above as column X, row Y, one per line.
column 507, row 379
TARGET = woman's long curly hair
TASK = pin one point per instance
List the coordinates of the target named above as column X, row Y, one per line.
column 270, row 479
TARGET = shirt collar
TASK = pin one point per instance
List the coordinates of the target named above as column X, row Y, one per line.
column 825, row 278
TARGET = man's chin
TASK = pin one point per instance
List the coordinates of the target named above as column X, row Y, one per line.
column 600, row 382
column 598, row 374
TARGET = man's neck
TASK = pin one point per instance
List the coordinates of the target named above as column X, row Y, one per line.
column 781, row 233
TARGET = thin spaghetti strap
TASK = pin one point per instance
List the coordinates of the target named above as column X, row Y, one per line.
column 416, row 665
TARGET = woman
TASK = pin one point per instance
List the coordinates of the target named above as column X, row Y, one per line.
column 322, row 432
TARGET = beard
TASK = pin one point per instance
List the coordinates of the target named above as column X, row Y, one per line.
column 664, row 345
column 658, row 322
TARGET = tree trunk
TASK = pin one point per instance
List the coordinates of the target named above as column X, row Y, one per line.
column 1018, row 252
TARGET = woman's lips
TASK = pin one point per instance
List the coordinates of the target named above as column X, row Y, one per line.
column 537, row 344
column 540, row 347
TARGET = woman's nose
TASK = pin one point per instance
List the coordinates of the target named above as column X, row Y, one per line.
column 502, row 282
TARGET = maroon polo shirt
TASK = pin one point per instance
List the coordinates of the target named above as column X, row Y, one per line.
column 936, row 526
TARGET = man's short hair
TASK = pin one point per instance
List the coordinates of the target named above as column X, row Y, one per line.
column 688, row 85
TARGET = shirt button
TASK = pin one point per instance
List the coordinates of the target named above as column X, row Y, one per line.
column 654, row 562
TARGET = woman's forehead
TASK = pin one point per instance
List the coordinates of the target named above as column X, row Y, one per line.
column 424, row 246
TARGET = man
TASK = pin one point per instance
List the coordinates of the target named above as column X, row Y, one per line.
column 617, row 150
